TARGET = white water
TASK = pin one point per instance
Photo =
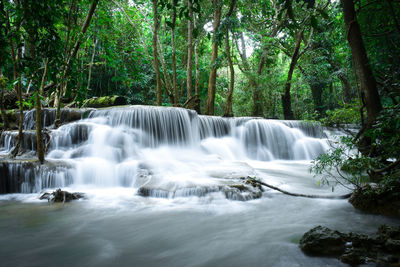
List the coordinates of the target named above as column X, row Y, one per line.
column 186, row 161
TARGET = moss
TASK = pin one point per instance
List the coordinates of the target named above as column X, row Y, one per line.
column 104, row 101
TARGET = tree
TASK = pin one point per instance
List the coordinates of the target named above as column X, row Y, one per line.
column 368, row 83
column 213, row 64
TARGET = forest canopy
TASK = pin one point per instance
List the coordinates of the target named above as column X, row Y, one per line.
column 275, row 58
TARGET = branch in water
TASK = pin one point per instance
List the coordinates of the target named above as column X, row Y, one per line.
column 297, row 195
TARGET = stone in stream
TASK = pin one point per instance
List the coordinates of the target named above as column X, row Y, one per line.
column 323, row 241
column 354, row 248
column 61, row 196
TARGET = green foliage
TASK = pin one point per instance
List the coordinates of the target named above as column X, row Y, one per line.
column 348, row 114
column 342, row 164
column 346, row 164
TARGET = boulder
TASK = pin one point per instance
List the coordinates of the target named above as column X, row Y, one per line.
column 323, row 241
column 383, row 200
column 353, row 248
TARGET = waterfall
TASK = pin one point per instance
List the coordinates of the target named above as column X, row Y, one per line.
column 161, row 152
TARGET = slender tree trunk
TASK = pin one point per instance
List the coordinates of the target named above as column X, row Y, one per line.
column 197, row 71
column 39, row 116
column 368, row 83
column 257, row 91
column 174, row 75
column 213, row 68
column 90, row 68
column 228, row 107
column 286, row 99
column 155, row 53
column 189, row 79
column 3, row 110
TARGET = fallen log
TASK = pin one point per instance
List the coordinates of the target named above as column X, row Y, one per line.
column 252, row 180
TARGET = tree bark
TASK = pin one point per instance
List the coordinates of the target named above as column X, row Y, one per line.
column 3, row 110
column 155, row 53
column 367, row 80
column 228, row 106
column 39, row 116
column 90, row 68
column 213, row 68
column 174, row 75
column 189, row 79
column 197, row 71
column 286, row 99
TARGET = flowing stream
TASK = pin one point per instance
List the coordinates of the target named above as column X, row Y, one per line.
column 167, row 187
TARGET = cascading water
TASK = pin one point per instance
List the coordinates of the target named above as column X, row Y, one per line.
column 161, row 185
column 167, row 150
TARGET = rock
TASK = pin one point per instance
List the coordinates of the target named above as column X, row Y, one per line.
column 352, row 258
column 383, row 250
column 322, row 241
column 383, row 200
column 61, row 196
column 104, row 101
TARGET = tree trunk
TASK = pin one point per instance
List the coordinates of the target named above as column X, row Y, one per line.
column 286, row 100
column 367, row 80
column 39, row 117
column 155, row 53
column 174, row 78
column 213, row 68
column 197, row 71
column 189, row 79
column 3, row 110
column 90, row 68
column 228, row 107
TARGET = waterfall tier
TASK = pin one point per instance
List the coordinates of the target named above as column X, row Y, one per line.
column 164, row 152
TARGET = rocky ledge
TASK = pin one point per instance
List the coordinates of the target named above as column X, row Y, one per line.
column 352, row 248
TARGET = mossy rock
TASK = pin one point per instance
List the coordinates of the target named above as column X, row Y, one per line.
column 104, row 101
column 382, row 200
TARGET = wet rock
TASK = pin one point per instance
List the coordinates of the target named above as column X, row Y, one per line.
column 382, row 249
column 378, row 199
column 238, row 192
column 61, row 196
column 322, row 241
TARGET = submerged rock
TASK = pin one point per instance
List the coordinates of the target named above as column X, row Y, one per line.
column 353, row 248
column 61, row 196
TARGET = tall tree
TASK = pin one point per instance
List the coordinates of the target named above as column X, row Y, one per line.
column 368, row 83
column 155, row 52
column 228, row 106
column 189, row 79
column 213, row 65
